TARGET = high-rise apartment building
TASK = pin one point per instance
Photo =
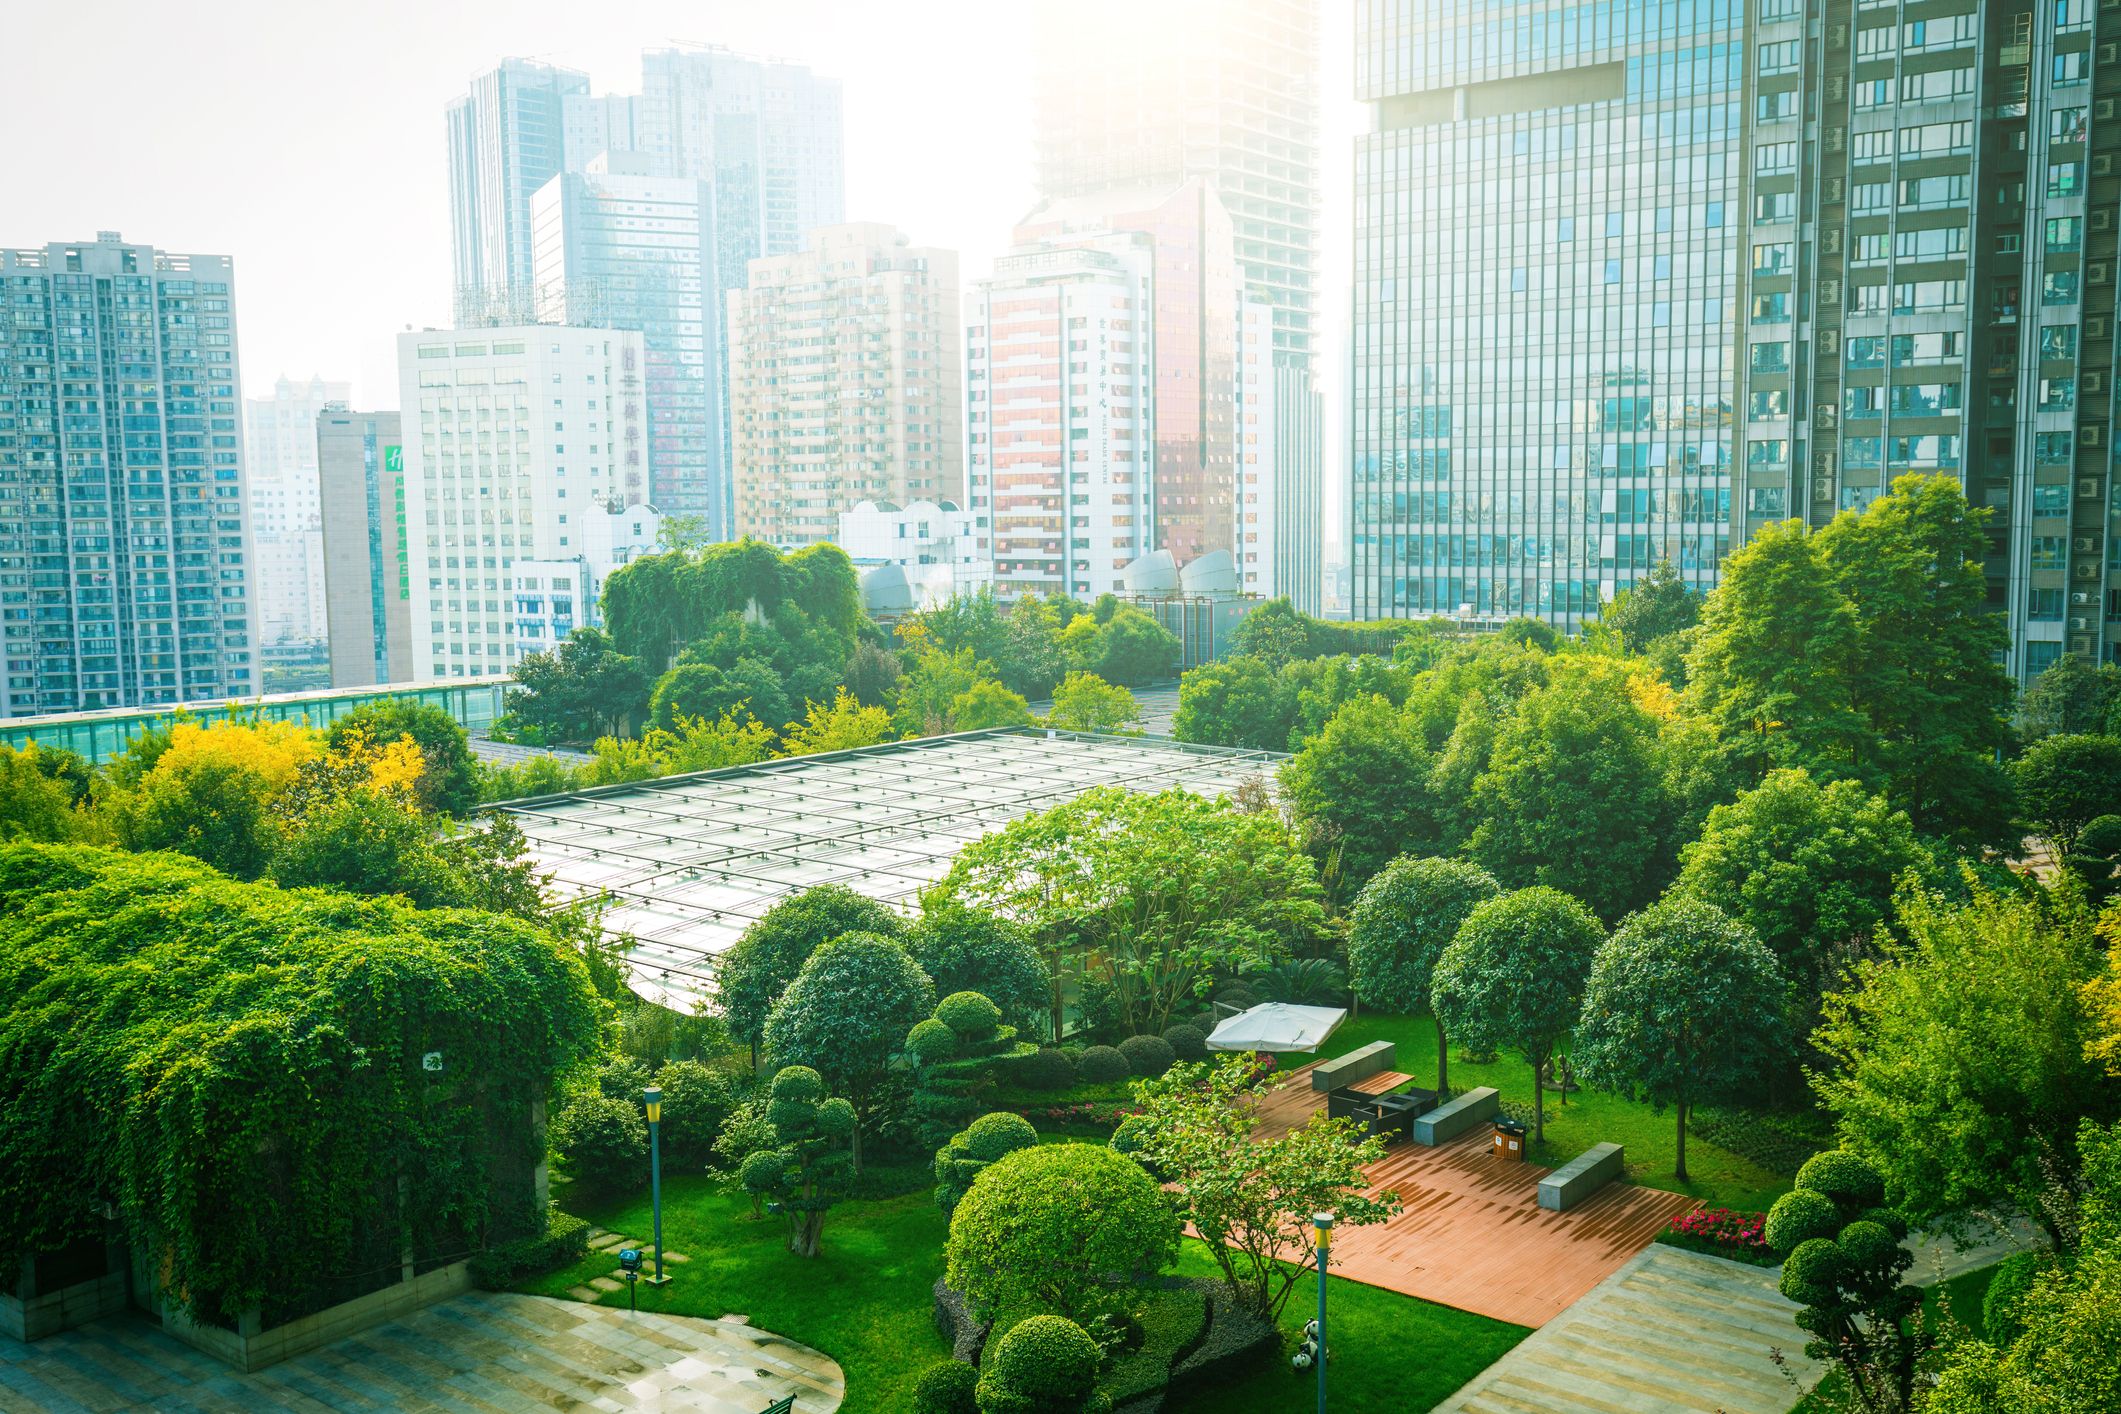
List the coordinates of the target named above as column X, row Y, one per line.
column 513, row 447
column 1131, row 95
column 286, row 526
column 360, row 460
column 618, row 248
column 1929, row 285
column 506, row 140
column 1548, row 216
column 1060, row 398
column 125, row 566
column 846, row 382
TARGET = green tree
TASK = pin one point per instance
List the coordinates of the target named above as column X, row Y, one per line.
column 1927, row 677
column 2070, row 698
column 1361, row 788
column 1496, row 671
column 804, row 1174
column 1404, row 919
column 751, row 976
column 697, row 1101
column 1251, row 1200
column 706, row 692
column 844, row 725
column 1234, row 702
column 1514, row 976
column 1811, row 868
column 1031, row 662
column 1574, row 793
column 2065, row 1354
column 216, row 809
column 449, row 783
column 2066, row 782
column 929, row 694
column 872, row 675
column 986, row 1139
column 1085, row 702
column 1152, row 894
column 1274, row 633
column 1842, row 1262
column 1128, row 648
column 847, row 1012
column 1683, row 1008
column 1957, row 1063
column 34, row 804
column 986, row 705
column 603, row 1141
column 582, row 690
column 1049, row 1228
column 963, row 949
column 1653, row 607
column 1779, row 643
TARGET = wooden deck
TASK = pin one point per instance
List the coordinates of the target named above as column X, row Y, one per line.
column 1473, row 1234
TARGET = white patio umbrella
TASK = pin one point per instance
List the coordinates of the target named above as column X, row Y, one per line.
column 1277, row 1026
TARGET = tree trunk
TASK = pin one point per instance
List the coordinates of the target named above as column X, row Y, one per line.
column 754, row 1055
column 1681, row 1174
column 1539, row 1104
column 857, row 1145
column 1443, row 1063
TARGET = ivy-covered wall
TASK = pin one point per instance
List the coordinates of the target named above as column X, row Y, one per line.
column 237, row 1071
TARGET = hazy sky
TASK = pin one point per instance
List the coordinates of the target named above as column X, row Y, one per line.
column 306, row 140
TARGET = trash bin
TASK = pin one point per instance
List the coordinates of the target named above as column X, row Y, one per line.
column 1510, row 1139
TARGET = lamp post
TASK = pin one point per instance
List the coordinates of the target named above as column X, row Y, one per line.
column 653, row 1095
column 1323, row 1224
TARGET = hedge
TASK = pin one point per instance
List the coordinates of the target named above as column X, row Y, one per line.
column 565, row 1240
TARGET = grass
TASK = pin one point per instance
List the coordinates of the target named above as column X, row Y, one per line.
column 1390, row 1353
column 1717, row 1176
column 867, row 1301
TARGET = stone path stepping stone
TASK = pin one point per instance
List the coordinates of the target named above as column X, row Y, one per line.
column 676, row 1257
column 605, row 1283
column 733, row 1319
column 583, row 1293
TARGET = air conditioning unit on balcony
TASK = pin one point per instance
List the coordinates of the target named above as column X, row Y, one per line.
column 2089, row 434
column 2087, row 570
column 2079, row 624
column 2085, row 544
column 1837, row 37
column 2088, row 487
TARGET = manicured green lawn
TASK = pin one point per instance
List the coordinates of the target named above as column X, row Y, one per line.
column 866, row 1300
column 1391, row 1353
column 1717, row 1176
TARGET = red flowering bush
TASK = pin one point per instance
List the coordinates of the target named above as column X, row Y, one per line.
column 1722, row 1232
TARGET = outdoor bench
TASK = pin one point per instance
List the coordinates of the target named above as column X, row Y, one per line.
column 1579, row 1178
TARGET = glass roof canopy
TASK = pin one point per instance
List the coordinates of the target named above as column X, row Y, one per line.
column 689, row 862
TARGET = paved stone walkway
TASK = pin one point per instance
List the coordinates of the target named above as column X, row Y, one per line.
column 485, row 1353
column 1671, row 1332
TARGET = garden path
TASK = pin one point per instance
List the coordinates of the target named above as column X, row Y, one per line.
column 1473, row 1234
column 485, row 1353
column 1671, row 1332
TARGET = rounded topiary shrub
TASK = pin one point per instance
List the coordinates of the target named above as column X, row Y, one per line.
column 1101, row 1065
column 946, row 1388
column 1810, row 1273
column 931, row 1041
column 1798, row 1217
column 1044, row 1363
column 1238, row 995
column 1148, row 1055
column 1847, row 1178
column 1046, row 1070
column 993, row 1135
column 1130, row 1136
column 1188, row 1043
column 969, row 1014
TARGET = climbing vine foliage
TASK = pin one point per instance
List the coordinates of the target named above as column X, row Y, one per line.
column 241, row 1075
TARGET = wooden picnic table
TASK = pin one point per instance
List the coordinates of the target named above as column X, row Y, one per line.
column 1379, row 1083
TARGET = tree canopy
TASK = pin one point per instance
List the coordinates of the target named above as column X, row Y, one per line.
column 1404, row 919
column 750, row 977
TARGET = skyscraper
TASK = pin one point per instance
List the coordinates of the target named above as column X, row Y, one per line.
column 621, row 249
column 367, row 574
column 286, row 528
column 513, row 438
column 761, row 137
column 125, row 561
column 1059, row 404
column 1930, row 285
column 846, row 383
column 1134, row 97
column 506, row 139
column 1546, row 233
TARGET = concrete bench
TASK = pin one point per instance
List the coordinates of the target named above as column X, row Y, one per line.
column 1343, row 1071
column 1579, row 1178
column 1447, row 1122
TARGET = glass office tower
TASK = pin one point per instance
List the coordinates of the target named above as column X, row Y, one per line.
column 1547, row 233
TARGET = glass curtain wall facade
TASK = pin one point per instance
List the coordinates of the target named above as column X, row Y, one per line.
column 1930, row 283
column 505, row 141
column 1547, row 233
column 125, row 563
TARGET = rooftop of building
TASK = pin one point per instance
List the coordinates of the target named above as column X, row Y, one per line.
column 690, row 862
